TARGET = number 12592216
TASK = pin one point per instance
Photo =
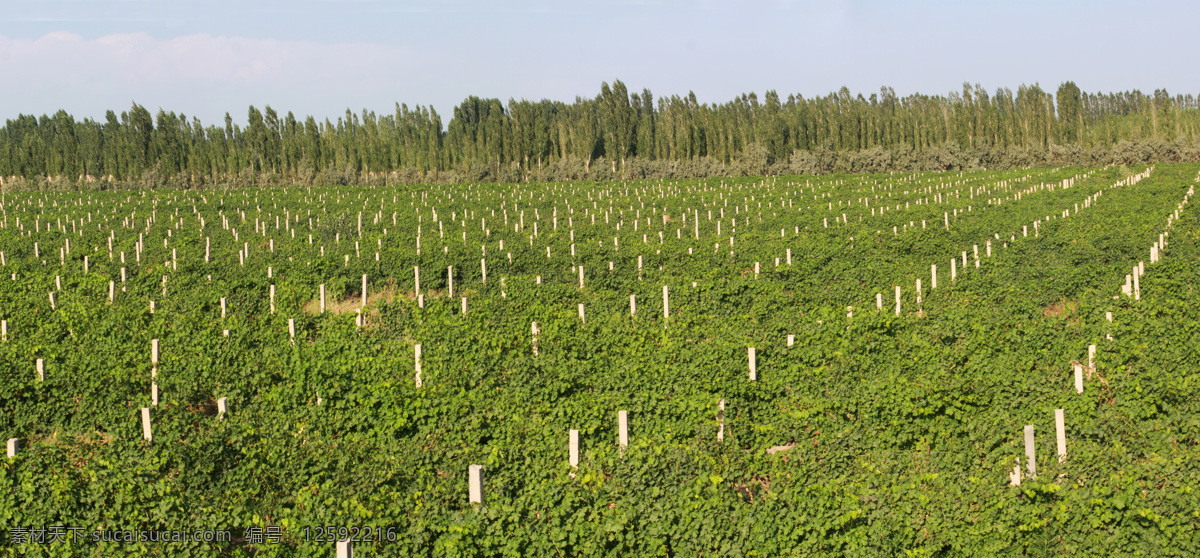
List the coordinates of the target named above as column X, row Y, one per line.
column 353, row 534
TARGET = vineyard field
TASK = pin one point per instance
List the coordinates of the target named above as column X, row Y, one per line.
column 855, row 364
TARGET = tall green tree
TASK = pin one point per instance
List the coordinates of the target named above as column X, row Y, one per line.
column 1070, row 113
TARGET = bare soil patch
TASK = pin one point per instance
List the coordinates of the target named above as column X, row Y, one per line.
column 1060, row 309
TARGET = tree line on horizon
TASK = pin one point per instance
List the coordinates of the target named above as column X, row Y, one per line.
column 617, row 134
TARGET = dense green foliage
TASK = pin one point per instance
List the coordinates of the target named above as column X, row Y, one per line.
column 616, row 135
column 895, row 435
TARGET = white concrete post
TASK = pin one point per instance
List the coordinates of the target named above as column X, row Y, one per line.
column 623, row 429
column 222, row 408
column 533, row 329
column 666, row 303
column 1060, row 432
column 475, row 484
column 1030, row 458
column 153, row 393
column 720, row 420
column 632, row 305
column 417, row 365
column 146, row 433
column 573, row 449
column 753, row 364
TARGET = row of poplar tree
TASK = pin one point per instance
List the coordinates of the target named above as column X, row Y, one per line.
column 490, row 139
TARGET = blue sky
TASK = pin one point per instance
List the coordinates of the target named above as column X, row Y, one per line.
column 320, row 57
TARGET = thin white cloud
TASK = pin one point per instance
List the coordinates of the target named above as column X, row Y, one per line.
column 142, row 59
column 191, row 72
